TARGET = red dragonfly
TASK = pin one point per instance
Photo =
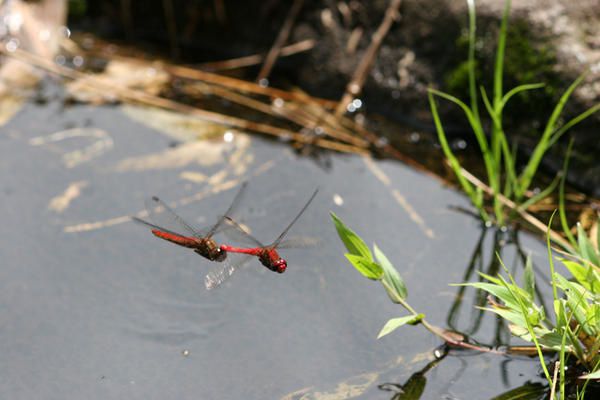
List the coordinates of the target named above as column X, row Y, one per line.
column 199, row 240
column 267, row 255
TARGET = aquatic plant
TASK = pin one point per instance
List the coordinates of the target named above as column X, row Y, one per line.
column 499, row 158
column 573, row 332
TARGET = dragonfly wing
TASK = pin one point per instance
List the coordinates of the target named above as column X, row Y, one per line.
column 219, row 275
column 166, row 219
column 152, row 226
column 238, row 233
column 298, row 242
column 234, row 205
column 285, row 231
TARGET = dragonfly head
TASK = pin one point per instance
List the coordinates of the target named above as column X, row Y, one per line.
column 280, row 265
column 219, row 254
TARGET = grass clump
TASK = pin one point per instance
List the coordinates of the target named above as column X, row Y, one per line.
column 502, row 171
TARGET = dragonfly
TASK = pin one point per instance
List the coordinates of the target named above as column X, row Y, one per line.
column 267, row 254
column 200, row 240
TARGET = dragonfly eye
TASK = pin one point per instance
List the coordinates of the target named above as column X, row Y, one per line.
column 281, row 265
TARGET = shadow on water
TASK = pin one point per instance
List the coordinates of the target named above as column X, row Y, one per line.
column 471, row 302
column 414, row 387
column 466, row 317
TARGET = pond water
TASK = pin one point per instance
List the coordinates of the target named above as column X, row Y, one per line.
column 95, row 307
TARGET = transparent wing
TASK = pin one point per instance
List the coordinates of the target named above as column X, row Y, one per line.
column 152, row 226
column 220, row 274
column 298, row 242
column 238, row 233
column 234, row 204
column 285, row 231
column 164, row 218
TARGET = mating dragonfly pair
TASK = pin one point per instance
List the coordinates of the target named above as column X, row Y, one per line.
column 203, row 243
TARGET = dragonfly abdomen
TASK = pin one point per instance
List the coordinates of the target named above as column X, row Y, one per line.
column 184, row 241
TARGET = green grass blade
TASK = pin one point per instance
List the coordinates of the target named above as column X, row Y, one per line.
column 499, row 67
column 544, row 193
column 519, row 89
column 454, row 163
column 561, row 199
column 542, row 146
column 471, row 59
column 574, row 121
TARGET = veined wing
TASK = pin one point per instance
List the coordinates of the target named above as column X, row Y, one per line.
column 220, row 274
column 234, row 204
column 285, row 231
column 165, row 217
column 298, row 242
column 238, row 233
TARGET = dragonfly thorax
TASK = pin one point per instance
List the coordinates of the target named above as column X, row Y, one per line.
column 207, row 248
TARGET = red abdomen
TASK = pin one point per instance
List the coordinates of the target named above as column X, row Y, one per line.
column 184, row 241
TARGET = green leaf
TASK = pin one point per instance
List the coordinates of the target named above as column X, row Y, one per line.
column 588, row 252
column 500, row 292
column 396, row 323
column 369, row 269
column 390, row 275
column 352, row 241
column 594, row 375
column 585, row 276
column 529, row 279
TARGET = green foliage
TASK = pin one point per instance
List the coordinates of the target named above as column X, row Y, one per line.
column 498, row 157
column 77, row 8
column 379, row 269
column 575, row 326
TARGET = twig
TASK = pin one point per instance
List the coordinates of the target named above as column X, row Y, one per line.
column 284, row 33
column 355, row 85
column 554, row 379
column 139, row 96
column 244, row 86
column 298, row 118
column 254, row 59
column 510, row 204
column 232, row 83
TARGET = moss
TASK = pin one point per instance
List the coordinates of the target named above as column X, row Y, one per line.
column 529, row 58
column 77, row 8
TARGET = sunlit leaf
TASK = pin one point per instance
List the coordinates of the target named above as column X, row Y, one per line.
column 396, row 323
column 391, row 276
column 529, row 279
column 594, row 375
column 588, row 252
column 584, row 275
column 369, row 269
column 498, row 291
column 352, row 241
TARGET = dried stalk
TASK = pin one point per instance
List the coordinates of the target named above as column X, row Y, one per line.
column 510, row 204
column 284, row 33
column 141, row 97
column 255, row 59
column 359, row 77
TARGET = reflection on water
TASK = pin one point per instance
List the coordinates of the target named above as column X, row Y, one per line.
column 469, row 302
column 466, row 316
column 414, row 387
